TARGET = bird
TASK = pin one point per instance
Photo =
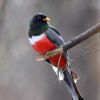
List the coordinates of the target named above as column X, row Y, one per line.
column 44, row 38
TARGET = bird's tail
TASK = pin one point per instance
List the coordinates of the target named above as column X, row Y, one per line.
column 70, row 84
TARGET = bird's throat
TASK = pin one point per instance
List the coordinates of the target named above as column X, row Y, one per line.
column 39, row 30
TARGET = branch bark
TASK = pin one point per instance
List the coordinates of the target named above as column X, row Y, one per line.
column 80, row 38
column 71, row 43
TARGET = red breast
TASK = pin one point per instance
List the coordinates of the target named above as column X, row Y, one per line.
column 42, row 45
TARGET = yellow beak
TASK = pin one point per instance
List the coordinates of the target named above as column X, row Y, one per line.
column 46, row 19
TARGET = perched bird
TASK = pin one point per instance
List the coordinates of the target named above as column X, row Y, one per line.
column 45, row 38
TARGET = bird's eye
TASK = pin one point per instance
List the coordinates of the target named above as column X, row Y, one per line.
column 39, row 18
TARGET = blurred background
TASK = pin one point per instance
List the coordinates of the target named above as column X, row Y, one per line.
column 21, row 77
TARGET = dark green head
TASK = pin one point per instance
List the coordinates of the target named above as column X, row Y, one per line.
column 38, row 24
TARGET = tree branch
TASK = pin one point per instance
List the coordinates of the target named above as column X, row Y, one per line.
column 80, row 38
column 71, row 43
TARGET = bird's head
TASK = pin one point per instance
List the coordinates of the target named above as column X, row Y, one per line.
column 39, row 23
column 39, row 19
